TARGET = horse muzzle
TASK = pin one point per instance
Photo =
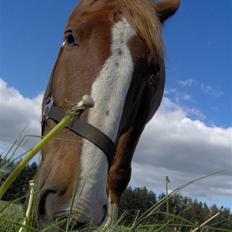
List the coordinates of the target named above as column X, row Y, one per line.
column 52, row 210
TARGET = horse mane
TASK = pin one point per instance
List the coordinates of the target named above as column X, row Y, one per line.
column 143, row 17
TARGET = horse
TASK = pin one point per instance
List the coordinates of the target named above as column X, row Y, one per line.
column 113, row 51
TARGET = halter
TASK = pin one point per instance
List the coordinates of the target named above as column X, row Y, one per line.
column 78, row 126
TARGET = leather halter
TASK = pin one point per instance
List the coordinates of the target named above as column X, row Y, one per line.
column 78, row 126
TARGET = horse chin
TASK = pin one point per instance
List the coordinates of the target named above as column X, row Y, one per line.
column 109, row 219
column 60, row 222
column 77, row 221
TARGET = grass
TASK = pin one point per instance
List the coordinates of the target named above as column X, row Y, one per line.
column 11, row 217
column 12, row 213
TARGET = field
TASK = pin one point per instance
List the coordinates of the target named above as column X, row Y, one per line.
column 12, row 215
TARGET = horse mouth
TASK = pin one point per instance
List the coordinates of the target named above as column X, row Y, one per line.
column 72, row 219
column 78, row 220
column 62, row 221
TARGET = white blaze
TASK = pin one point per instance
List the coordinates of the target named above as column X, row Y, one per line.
column 109, row 92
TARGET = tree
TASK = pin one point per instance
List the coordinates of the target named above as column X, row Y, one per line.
column 19, row 189
column 139, row 200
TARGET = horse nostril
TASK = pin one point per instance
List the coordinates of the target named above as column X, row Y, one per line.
column 42, row 200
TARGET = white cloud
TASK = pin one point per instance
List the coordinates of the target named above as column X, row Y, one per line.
column 187, row 83
column 170, row 91
column 172, row 144
column 211, row 90
column 17, row 113
column 180, row 97
column 187, row 97
column 195, row 113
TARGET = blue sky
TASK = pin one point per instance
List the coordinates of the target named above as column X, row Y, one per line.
column 198, row 88
column 197, row 41
column 199, row 47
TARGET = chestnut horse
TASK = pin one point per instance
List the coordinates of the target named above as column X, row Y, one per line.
column 113, row 51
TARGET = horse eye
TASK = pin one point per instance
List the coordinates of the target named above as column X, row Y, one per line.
column 70, row 39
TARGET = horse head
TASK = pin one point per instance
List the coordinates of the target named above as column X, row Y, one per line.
column 112, row 51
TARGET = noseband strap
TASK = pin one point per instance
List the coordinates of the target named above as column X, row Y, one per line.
column 83, row 129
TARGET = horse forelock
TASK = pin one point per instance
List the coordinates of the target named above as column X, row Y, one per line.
column 143, row 17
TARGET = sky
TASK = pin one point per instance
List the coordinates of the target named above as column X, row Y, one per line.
column 191, row 134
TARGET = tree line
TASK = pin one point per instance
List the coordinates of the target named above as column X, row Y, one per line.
column 182, row 210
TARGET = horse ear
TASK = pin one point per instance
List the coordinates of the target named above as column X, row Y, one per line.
column 166, row 9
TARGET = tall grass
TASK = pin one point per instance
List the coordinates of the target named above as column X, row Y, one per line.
column 12, row 214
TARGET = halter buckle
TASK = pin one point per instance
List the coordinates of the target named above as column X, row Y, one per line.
column 47, row 107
